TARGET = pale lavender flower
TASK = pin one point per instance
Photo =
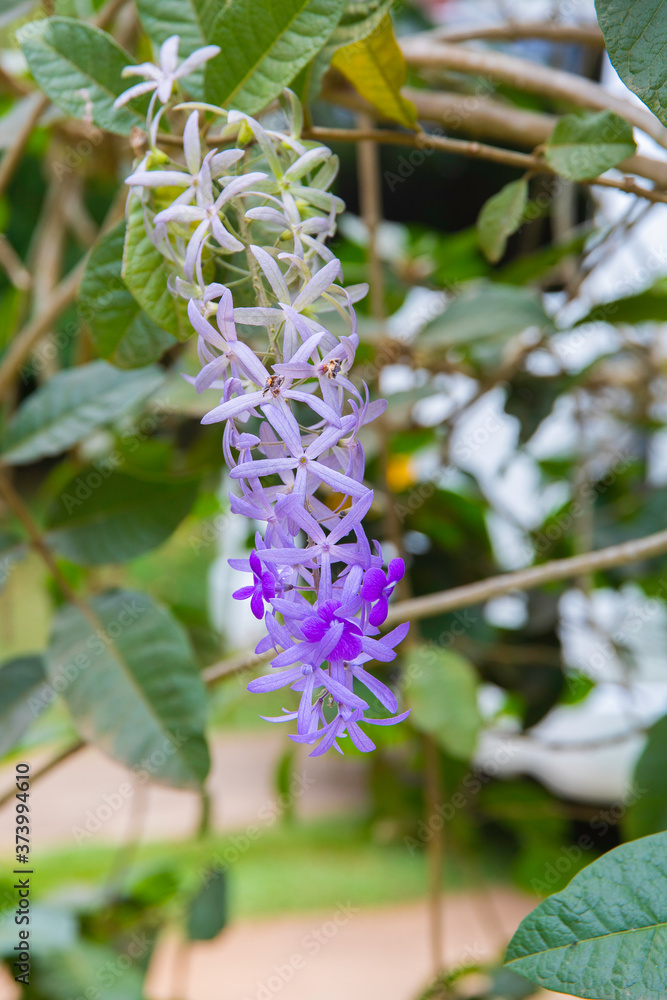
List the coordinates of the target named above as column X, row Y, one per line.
column 162, row 78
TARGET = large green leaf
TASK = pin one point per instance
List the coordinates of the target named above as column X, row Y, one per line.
column 376, row 68
column 648, row 813
column 145, row 274
column 98, row 520
column 121, row 331
column 132, row 686
column 70, row 405
column 207, row 910
column 79, row 67
column 264, row 45
column 487, row 311
column 441, row 690
column 500, row 217
column 22, row 686
column 635, row 33
column 584, row 146
column 605, row 935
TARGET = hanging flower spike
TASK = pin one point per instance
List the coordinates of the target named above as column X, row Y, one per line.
column 291, row 414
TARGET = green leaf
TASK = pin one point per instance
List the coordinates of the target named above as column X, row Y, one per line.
column 145, row 274
column 191, row 20
column 376, row 68
column 584, row 146
column 486, row 312
column 97, row 520
column 21, row 681
column 264, row 45
column 441, row 691
column 649, row 306
column 120, row 330
column 648, row 813
column 605, row 935
column 635, row 33
column 500, row 217
column 132, row 686
column 69, row 973
column 207, row 911
column 70, row 406
column 79, row 67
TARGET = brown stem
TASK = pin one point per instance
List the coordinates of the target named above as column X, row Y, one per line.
column 526, row 579
column 423, row 51
column 477, row 151
column 45, row 768
column 576, row 34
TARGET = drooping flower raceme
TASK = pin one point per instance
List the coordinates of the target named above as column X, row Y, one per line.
column 244, row 233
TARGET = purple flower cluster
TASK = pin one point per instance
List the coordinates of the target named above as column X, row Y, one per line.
column 317, row 582
column 292, row 417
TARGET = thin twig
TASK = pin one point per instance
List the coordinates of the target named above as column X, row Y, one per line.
column 22, row 344
column 14, row 154
column 577, row 34
column 477, row 593
column 526, row 579
column 477, row 151
column 425, row 51
column 45, row 768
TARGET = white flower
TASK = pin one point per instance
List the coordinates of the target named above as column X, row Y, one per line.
column 162, row 78
column 206, row 213
column 198, row 176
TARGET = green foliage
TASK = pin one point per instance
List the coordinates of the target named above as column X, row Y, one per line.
column 145, row 275
column 79, row 67
column 22, row 687
column 71, row 972
column 648, row 813
column 207, row 910
column 486, row 312
column 12, row 549
column 133, row 687
column 97, row 520
column 500, row 217
column 441, row 691
column 121, row 331
column 70, row 406
column 635, row 33
column 264, row 45
column 584, row 146
column 376, row 67
column 644, row 307
column 605, row 935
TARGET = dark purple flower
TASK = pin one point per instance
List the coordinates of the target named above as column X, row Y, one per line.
column 263, row 587
column 379, row 586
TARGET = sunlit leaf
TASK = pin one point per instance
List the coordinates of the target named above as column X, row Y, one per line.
column 377, row 69
column 635, row 33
